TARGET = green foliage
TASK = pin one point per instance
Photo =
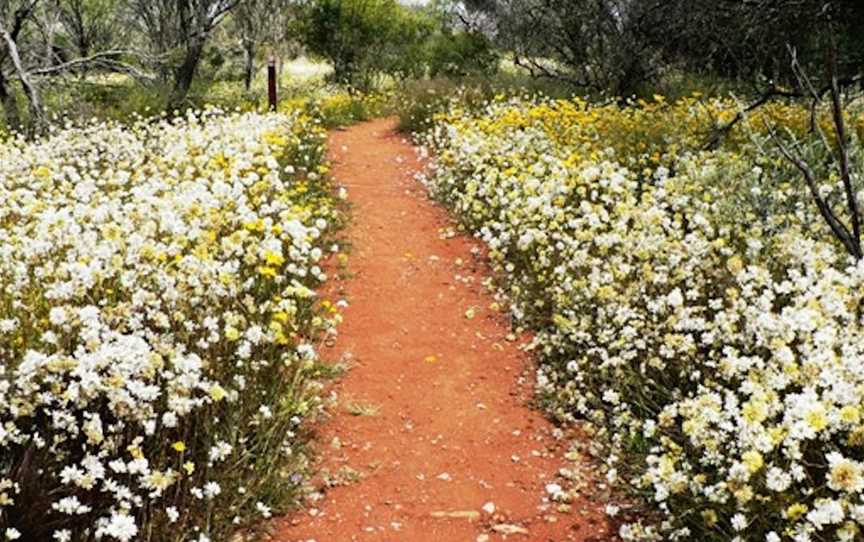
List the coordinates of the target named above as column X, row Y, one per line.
column 365, row 39
column 462, row 54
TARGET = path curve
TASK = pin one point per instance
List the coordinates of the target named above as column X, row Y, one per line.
column 452, row 431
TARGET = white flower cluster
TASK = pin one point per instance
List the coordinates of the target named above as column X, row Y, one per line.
column 722, row 371
column 157, row 304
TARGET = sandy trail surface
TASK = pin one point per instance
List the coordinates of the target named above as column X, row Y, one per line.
column 432, row 424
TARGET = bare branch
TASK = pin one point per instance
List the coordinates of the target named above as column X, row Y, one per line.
column 30, row 90
column 843, row 159
column 840, row 231
column 104, row 59
column 719, row 132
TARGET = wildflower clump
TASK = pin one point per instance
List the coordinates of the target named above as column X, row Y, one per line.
column 706, row 331
column 157, row 324
column 335, row 106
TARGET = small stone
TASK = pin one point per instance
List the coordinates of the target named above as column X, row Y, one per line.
column 483, row 537
column 553, row 489
column 444, row 476
column 489, row 507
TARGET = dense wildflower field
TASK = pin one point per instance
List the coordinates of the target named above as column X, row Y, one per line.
column 688, row 304
column 158, row 324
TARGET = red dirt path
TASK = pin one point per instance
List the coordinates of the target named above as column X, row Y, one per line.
column 452, row 434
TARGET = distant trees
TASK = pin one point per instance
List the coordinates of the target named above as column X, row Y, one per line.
column 177, row 32
column 364, row 38
column 460, row 54
column 90, row 25
column 591, row 44
column 257, row 22
column 154, row 40
column 613, row 47
column 752, row 39
column 616, row 46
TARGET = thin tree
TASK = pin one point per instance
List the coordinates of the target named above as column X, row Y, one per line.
column 14, row 16
column 177, row 32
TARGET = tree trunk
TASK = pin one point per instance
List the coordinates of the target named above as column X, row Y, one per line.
column 249, row 66
column 83, row 52
column 185, row 74
column 343, row 70
column 10, row 105
column 37, row 116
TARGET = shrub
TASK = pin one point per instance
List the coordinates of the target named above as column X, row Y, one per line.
column 365, row 39
column 344, row 108
column 462, row 54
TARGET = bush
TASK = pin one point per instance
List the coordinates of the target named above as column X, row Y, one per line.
column 158, row 324
column 462, row 54
column 365, row 39
column 418, row 103
column 345, row 108
column 717, row 361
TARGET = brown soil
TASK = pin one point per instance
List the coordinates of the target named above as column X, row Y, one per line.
column 452, row 431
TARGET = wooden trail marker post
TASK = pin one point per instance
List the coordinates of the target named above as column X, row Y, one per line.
column 271, row 83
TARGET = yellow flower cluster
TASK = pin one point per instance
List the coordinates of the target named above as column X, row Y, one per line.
column 335, row 106
column 158, row 313
column 641, row 134
column 681, row 308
